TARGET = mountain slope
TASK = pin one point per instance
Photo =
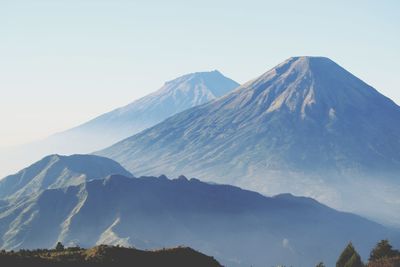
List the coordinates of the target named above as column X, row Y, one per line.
column 57, row 171
column 174, row 96
column 238, row 227
column 307, row 126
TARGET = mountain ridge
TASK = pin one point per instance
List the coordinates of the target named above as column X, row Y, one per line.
column 155, row 212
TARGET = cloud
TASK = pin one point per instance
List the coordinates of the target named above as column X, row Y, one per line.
column 286, row 244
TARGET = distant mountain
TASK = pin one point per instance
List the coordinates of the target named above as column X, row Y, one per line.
column 238, row 227
column 307, row 126
column 173, row 97
column 101, row 256
column 57, row 171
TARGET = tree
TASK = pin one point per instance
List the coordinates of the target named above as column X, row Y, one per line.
column 59, row 246
column 354, row 261
column 349, row 258
column 321, row 264
column 383, row 250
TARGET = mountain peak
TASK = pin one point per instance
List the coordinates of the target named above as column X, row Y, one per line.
column 309, row 60
column 206, row 84
column 302, row 64
column 55, row 171
column 304, row 85
column 198, row 75
column 204, row 74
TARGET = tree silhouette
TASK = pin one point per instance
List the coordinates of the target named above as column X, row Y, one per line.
column 349, row 258
column 383, row 250
column 59, row 246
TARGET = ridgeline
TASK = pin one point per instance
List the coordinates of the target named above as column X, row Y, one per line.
column 102, row 256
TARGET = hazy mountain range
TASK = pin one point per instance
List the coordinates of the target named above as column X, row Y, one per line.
column 307, row 126
column 174, row 96
column 238, row 227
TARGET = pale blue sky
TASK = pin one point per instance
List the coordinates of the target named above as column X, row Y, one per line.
column 65, row 61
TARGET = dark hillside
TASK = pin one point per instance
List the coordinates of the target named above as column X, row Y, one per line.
column 102, row 256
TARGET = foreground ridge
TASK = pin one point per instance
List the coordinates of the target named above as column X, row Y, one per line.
column 104, row 255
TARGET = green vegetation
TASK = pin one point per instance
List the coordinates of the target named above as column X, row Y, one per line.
column 59, row 247
column 106, row 256
column 383, row 255
column 349, row 258
column 383, row 250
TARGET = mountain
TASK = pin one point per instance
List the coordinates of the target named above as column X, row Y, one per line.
column 307, row 126
column 173, row 97
column 101, row 256
column 238, row 227
column 57, row 171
